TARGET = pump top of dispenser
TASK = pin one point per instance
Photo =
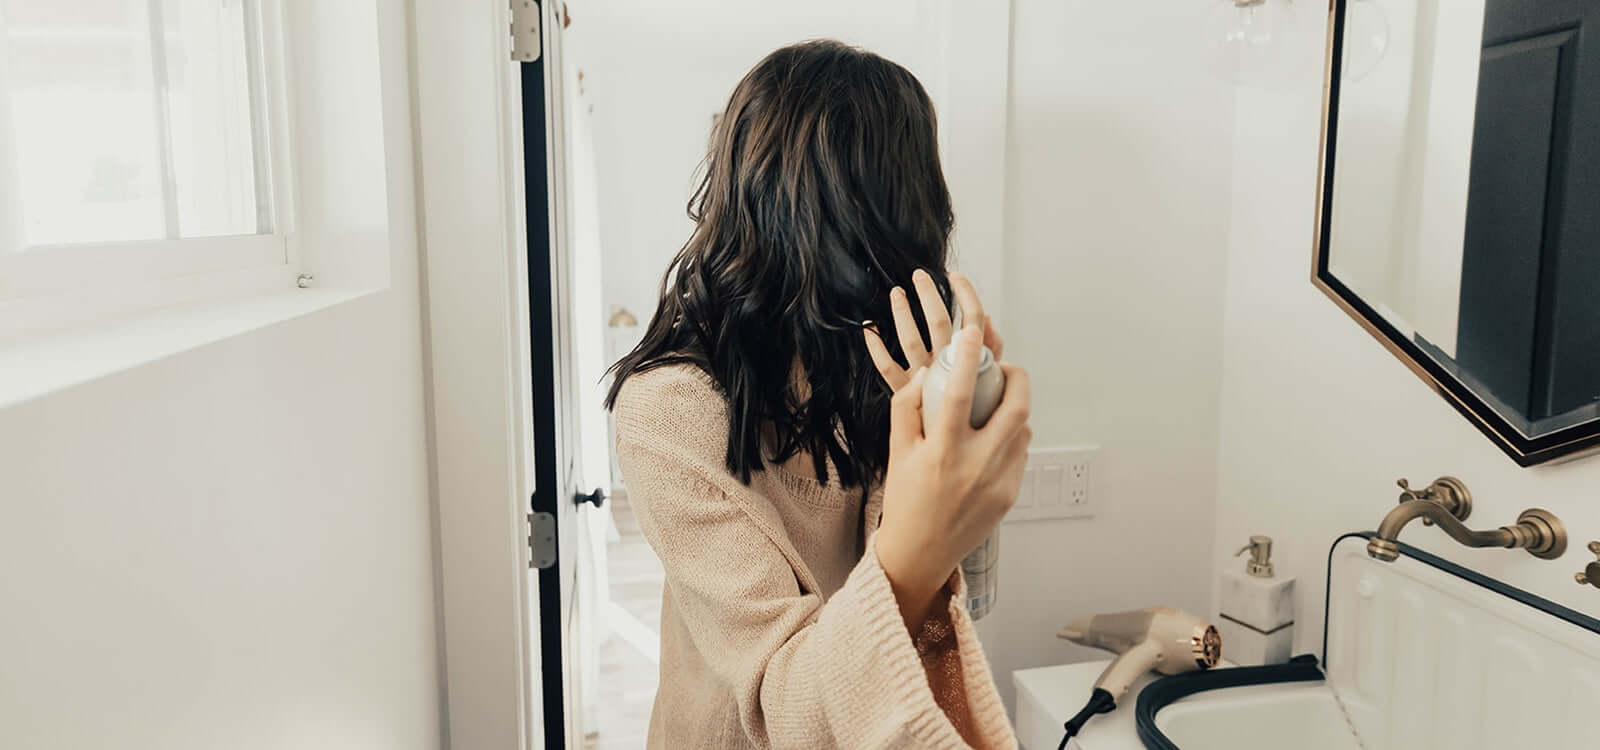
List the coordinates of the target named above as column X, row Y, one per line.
column 1260, row 562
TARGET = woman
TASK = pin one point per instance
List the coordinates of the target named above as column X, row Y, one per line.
column 810, row 522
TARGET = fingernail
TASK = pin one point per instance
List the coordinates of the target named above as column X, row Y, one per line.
column 915, row 273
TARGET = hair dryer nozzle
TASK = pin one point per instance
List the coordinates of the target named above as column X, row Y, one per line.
column 1077, row 630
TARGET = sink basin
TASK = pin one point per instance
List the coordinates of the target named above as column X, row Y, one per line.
column 1303, row 716
column 1422, row 652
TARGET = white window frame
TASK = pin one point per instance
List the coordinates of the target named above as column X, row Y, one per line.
column 45, row 287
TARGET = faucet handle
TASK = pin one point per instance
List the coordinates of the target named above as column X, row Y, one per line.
column 1407, row 495
column 1591, row 572
column 1450, row 492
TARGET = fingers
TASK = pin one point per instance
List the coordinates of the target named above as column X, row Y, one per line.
column 891, row 371
column 972, row 312
column 991, row 338
column 971, row 307
column 905, row 414
column 905, row 326
column 955, row 416
column 1016, row 405
column 933, row 308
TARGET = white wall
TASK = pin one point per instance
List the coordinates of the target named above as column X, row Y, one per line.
column 1117, row 200
column 1318, row 420
column 230, row 547
column 653, row 75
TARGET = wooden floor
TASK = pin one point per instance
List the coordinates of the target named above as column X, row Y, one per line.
column 628, row 676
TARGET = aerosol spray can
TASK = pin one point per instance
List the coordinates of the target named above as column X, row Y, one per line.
column 980, row 566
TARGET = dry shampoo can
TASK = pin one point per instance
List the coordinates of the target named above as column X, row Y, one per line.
column 980, row 567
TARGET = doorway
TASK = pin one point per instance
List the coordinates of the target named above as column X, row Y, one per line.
column 600, row 596
column 633, row 93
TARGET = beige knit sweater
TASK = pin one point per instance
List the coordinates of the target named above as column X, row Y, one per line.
column 778, row 627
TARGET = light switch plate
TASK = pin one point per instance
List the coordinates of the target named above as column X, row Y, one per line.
column 1026, row 496
column 1058, row 483
column 1050, row 485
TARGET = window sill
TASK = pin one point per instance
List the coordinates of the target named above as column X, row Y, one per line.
column 45, row 362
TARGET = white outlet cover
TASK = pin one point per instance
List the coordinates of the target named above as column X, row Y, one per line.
column 1051, row 482
column 1056, row 484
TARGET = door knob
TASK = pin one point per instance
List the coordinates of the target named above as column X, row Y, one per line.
column 598, row 497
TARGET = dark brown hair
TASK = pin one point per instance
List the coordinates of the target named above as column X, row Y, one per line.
column 821, row 191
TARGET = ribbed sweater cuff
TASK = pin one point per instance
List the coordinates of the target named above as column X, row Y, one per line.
column 983, row 699
column 876, row 692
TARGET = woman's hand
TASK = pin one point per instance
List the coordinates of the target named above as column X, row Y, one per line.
column 947, row 484
column 918, row 354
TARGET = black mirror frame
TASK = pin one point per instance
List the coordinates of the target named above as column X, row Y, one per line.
column 1566, row 442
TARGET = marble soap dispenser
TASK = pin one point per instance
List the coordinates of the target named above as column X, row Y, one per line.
column 1257, row 608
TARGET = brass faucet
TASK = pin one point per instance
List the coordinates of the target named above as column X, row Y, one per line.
column 1447, row 503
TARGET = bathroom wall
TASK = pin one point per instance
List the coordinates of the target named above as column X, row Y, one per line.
column 1117, row 206
column 1318, row 419
column 230, row 547
column 653, row 76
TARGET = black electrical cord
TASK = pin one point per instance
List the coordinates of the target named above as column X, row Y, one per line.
column 1100, row 702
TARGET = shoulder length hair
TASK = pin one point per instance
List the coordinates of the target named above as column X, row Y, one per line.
column 821, row 191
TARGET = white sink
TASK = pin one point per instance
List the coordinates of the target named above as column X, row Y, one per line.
column 1423, row 653
column 1300, row 715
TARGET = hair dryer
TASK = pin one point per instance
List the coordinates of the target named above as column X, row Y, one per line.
column 1168, row 640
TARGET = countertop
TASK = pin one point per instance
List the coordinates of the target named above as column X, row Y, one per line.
column 1048, row 696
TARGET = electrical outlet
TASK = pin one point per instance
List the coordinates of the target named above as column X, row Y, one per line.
column 1056, row 484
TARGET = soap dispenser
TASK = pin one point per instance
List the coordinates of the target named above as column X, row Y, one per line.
column 1256, row 608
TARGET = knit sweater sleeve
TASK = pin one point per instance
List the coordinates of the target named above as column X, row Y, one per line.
column 803, row 673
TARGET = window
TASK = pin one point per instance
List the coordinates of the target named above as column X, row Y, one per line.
column 137, row 143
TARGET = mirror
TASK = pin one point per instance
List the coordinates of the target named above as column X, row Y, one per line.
column 1459, row 206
